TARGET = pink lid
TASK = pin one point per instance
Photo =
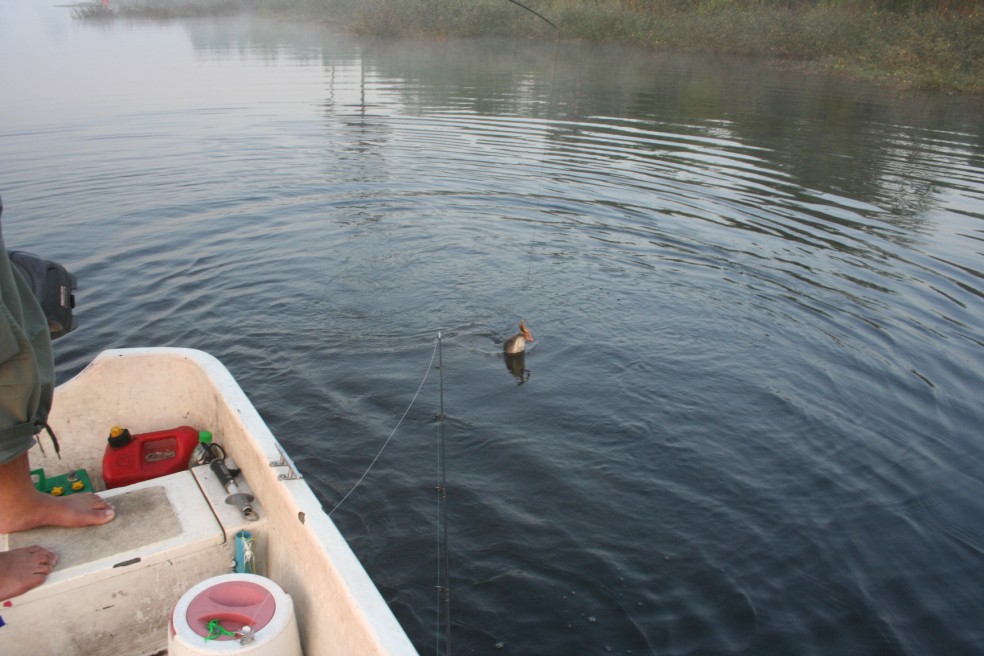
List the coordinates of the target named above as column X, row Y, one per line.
column 235, row 604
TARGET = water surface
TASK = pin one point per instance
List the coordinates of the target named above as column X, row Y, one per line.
column 750, row 422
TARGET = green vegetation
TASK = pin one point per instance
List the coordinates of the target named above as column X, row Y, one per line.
column 158, row 9
column 924, row 44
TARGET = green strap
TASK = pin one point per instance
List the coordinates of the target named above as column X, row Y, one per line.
column 215, row 630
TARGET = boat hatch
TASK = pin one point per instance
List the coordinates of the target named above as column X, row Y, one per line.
column 116, row 584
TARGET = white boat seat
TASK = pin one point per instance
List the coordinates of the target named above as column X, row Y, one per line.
column 129, row 572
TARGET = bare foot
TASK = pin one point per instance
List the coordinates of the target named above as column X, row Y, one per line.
column 24, row 569
column 40, row 509
column 22, row 507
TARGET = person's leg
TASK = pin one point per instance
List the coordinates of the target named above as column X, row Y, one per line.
column 23, row 507
column 23, row 569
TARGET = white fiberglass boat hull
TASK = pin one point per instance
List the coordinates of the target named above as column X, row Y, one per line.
column 116, row 585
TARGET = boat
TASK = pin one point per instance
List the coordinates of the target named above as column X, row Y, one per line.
column 116, row 586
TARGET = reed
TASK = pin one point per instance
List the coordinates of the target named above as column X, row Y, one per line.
column 161, row 9
column 924, row 44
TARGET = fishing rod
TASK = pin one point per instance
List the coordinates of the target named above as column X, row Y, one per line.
column 444, row 566
column 537, row 14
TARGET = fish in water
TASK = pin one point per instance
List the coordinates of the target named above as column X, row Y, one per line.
column 517, row 343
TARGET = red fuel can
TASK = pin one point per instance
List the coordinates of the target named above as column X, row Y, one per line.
column 147, row 455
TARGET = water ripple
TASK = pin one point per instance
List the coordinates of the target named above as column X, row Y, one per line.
column 749, row 422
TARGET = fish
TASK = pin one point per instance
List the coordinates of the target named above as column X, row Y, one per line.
column 517, row 343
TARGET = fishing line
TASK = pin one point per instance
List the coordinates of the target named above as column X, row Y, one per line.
column 395, row 428
column 543, row 147
column 443, row 557
column 443, row 553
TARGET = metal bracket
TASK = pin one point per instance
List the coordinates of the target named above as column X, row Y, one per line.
column 292, row 472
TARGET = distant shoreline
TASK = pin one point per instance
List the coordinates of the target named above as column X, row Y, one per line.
column 929, row 50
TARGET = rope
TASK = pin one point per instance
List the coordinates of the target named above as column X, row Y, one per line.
column 215, row 630
column 249, row 559
column 395, row 428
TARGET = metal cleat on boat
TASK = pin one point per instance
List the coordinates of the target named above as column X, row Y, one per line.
column 292, row 474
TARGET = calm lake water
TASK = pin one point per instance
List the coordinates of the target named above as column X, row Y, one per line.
column 752, row 418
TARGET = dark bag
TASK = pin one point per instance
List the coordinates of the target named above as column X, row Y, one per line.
column 53, row 286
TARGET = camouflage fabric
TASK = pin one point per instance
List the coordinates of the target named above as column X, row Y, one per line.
column 27, row 372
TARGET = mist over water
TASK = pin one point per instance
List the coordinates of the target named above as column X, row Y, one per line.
column 751, row 422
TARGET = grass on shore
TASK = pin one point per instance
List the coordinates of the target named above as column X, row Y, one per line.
column 905, row 43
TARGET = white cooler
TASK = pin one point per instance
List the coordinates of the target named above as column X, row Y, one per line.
column 235, row 601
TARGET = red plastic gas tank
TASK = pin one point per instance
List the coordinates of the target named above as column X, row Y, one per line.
column 148, row 455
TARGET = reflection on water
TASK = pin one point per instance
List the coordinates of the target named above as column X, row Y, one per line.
column 755, row 416
column 516, row 365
